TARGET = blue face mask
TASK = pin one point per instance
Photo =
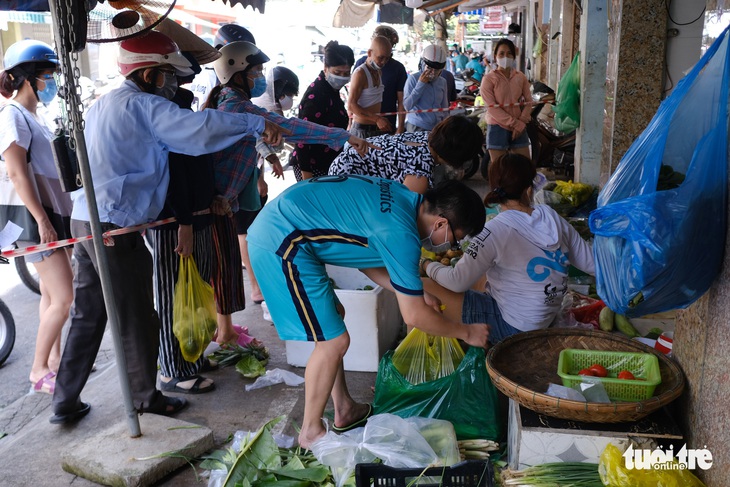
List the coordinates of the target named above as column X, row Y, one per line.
column 259, row 87
column 47, row 94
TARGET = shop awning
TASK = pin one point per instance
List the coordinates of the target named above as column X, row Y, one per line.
column 25, row 17
column 433, row 6
column 42, row 5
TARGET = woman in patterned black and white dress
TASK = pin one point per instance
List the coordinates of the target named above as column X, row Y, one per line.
column 409, row 158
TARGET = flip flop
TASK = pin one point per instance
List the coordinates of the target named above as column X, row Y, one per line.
column 173, row 385
column 356, row 424
column 47, row 384
column 73, row 416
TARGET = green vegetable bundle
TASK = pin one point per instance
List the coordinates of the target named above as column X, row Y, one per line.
column 567, row 474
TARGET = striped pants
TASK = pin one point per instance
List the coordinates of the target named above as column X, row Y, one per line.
column 166, row 264
column 227, row 274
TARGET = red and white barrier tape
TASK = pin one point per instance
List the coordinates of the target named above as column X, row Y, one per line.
column 431, row 110
column 108, row 240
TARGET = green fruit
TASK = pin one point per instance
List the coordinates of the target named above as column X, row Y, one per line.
column 654, row 333
column 624, row 326
column 606, row 319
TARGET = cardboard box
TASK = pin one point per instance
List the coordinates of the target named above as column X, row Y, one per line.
column 534, row 439
column 372, row 318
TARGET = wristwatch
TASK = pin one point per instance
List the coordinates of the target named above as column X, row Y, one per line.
column 422, row 268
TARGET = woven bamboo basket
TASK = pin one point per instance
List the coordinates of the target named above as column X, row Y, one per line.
column 523, row 365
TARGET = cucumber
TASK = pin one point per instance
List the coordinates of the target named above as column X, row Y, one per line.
column 624, row 326
column 606, row 319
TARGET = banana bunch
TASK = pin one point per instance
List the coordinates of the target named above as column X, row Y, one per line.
column 476, row 449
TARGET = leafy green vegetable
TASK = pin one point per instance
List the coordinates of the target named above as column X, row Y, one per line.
column 312, row 474
column 219, row 459
column 259, row 453
column 250, row 367
column 232, row 354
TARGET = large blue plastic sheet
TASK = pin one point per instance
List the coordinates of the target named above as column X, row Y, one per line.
column 661, row 250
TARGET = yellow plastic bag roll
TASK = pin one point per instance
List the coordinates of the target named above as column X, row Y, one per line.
column 613, row 471
column 193, row 313
column 423, row 358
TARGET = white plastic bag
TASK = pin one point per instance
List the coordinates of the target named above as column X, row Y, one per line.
column 563, row 392
column 276, row 376
column 394, row 440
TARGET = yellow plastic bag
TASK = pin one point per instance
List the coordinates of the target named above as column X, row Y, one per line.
column 423, row 358
column 193, row 312
column 613, row 472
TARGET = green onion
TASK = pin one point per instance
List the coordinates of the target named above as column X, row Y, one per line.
column 567, row 474
column 231, row 354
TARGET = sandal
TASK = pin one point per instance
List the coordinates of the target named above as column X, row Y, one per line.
column 165, row 406
column 209, row 365
column 174, row 385
column 47, row 384
column 354, row 424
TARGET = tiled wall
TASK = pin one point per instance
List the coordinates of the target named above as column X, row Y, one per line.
column 636, row 51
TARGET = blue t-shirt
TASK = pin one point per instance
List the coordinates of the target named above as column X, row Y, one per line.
column 350, row 221
column 478, row 69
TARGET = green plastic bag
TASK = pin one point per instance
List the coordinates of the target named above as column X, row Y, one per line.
column 467, row 398
column 193, row 312
column 567, row 99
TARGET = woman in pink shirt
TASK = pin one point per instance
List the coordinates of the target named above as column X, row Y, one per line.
column 504, row 86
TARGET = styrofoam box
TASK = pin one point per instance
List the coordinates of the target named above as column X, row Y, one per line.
column 372, row 318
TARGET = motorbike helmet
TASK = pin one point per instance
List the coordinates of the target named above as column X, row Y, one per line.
column 235, row 57
column 149, row 50
column 230, row 33
column 29, row 51
column 285, row 82
column 434, row 57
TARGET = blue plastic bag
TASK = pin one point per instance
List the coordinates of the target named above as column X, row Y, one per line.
column 660, row 250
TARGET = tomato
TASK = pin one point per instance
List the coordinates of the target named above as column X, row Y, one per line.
column 598, row 370
column 587, row 372
column 626, row 375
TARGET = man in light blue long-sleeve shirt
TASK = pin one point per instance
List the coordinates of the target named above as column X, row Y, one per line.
column 426, row 90
column 129, row 133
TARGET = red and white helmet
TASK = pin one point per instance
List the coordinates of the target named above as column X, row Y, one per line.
column 151, row 49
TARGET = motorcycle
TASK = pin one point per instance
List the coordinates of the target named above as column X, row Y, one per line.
column 468, row 87
column 28, row 275
column 7, row 328
column 550, row 148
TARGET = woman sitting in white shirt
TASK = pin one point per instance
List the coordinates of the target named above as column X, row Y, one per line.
column 524, row 251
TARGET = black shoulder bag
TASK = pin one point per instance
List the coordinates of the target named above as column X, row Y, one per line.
column 67, row 164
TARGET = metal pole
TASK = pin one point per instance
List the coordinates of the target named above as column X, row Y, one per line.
column 72, row 105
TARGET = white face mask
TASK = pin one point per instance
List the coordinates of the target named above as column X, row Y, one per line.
column 337, row 82
column 505, row 62
column 375, row 66
column 286, row 103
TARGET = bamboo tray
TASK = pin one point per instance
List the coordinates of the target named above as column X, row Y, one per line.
column 523, row 365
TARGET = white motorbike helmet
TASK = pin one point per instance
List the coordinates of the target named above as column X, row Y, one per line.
column 235, row 57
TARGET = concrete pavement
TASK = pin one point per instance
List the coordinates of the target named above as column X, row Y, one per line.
column 34, row 450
